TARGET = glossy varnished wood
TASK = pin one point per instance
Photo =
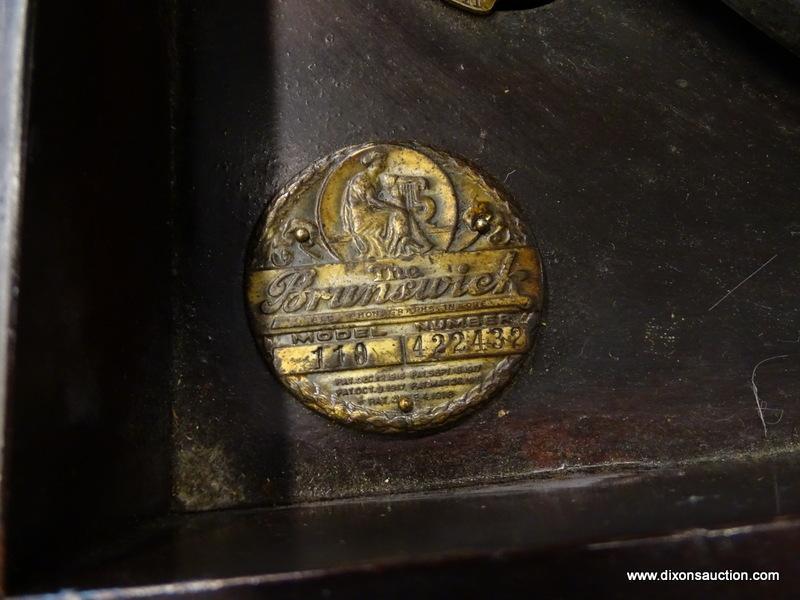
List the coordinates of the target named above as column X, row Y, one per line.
column 649, row 146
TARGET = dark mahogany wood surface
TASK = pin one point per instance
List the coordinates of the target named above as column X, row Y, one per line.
column 568, row 536
column 652, row 148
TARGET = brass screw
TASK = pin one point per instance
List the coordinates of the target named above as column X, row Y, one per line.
column 405, row 405
column 481, row 223
column 302, row 235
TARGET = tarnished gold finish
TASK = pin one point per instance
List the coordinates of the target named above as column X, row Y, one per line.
column 476, row 6
column 392, row 287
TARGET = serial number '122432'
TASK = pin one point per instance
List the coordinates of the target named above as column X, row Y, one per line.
column 411, row 349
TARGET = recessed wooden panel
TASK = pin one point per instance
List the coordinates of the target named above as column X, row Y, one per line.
column 650, row 146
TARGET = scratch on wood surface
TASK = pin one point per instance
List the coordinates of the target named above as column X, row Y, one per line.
column 761, row 406
column 740, row 284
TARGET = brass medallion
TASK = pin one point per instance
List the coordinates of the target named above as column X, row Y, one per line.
column 392, row 287
column 476, row 6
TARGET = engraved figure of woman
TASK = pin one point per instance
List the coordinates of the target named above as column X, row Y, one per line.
column 377, row 218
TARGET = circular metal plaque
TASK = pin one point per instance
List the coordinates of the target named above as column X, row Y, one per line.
column 392, row 287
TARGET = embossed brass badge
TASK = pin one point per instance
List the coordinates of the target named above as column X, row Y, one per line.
column 392, row 287
column 477, row 6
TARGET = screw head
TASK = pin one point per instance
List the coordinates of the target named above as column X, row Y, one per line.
column 302, row 235
column 481, row 223
column 405, row 405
